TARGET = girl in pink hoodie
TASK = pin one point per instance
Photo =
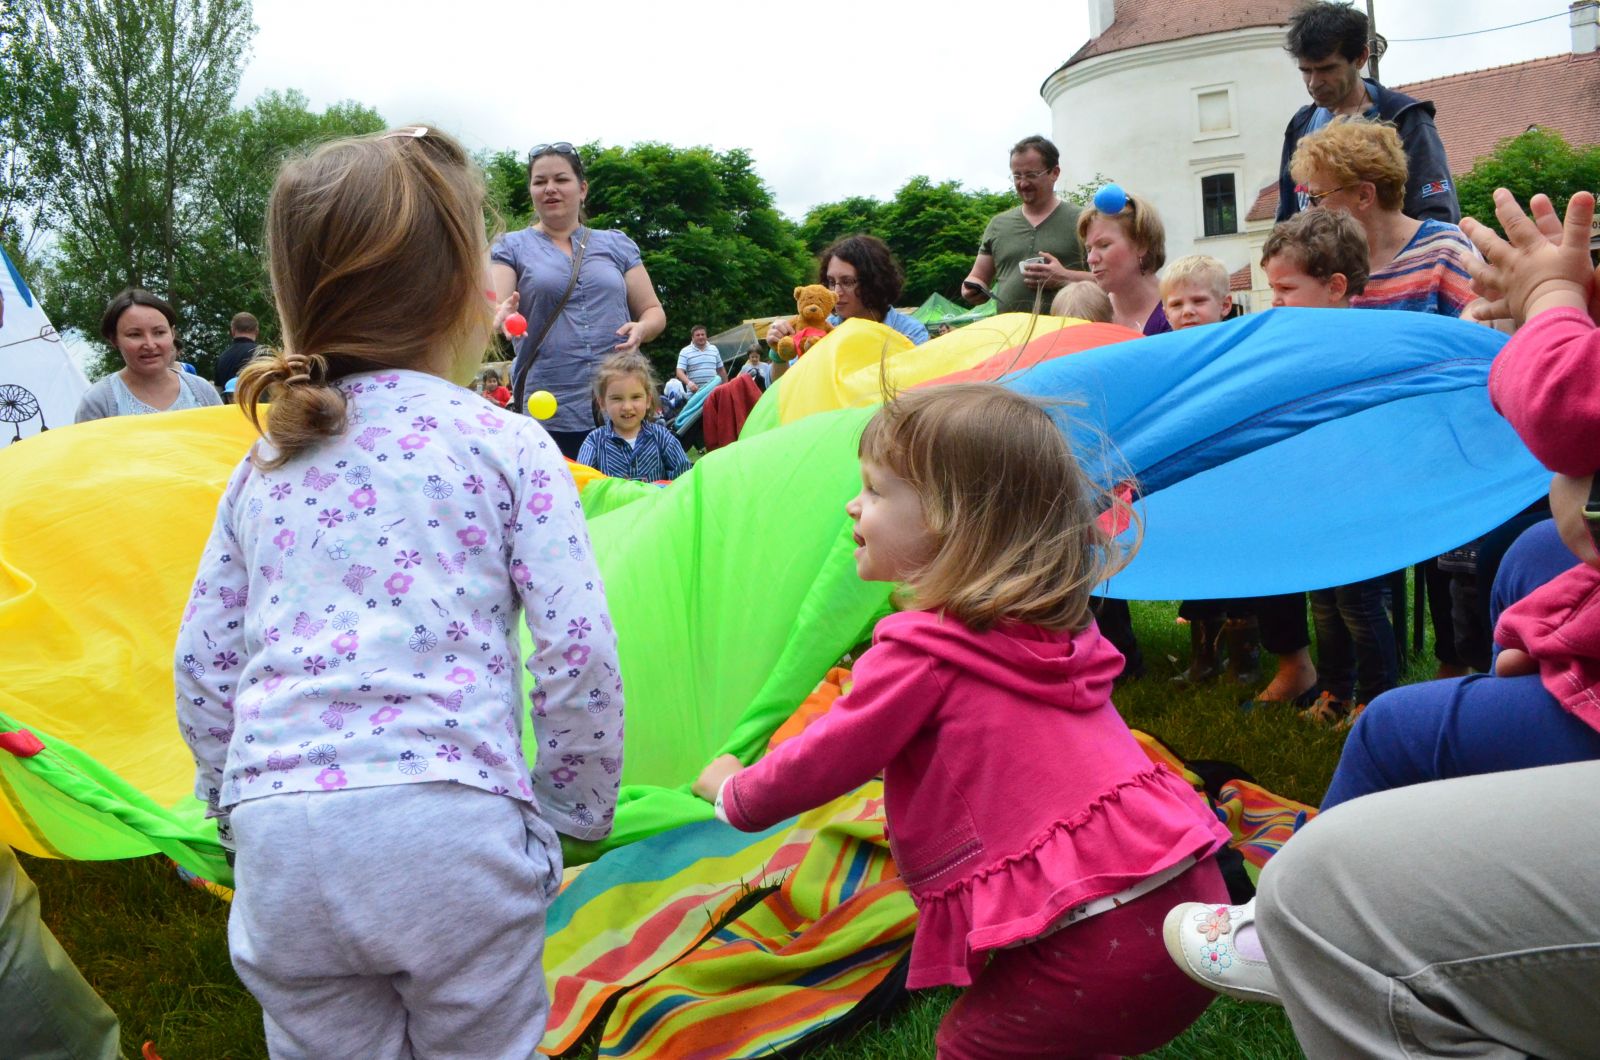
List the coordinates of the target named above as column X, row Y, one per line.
column 1041, row 845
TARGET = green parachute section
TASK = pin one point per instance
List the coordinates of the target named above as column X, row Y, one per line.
column 731, row 592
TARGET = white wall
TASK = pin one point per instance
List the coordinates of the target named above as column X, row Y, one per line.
column 1133, row 116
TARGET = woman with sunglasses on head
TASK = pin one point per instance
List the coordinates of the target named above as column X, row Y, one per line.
column 866, row 280
column 584, row 293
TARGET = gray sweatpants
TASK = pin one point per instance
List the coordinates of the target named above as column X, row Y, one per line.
column 394, row 922
column 1453, row 919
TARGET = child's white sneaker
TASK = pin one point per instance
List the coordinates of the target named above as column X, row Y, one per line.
column 1217, row 946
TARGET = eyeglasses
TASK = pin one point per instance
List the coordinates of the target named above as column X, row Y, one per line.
column 560, row 147
column 1034, row 174
column 1315, row 198
column 842, row 283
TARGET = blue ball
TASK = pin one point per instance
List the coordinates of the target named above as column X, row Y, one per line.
column 1110, row 199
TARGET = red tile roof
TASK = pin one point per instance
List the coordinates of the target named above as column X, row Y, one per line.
column 1140, row 22
column 1265, row 208
column 1479, row 109
column 1239, row 279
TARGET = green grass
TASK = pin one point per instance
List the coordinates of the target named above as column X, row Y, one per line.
column 157, row 950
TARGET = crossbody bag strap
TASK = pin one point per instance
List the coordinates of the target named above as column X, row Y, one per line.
column 517, row 396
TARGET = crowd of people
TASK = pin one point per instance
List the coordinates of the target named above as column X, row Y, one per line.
column 1076, row 898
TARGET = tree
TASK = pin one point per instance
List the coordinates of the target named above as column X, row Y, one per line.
column 1539, row 160
column 716, row 247
column 934, row 230
column 249, row 147
column 1083, row 194
column 22, row 107
column 126, row 96
column 835, row 220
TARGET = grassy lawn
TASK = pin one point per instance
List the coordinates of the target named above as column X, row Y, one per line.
column 157, row 950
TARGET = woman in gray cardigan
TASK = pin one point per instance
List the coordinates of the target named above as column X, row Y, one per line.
column 140, row 326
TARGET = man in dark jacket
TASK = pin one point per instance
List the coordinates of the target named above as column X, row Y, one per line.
column 231, row 361
column 1329, row 42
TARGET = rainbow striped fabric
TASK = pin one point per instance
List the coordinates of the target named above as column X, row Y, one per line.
column 708, row 942
column 705, row 942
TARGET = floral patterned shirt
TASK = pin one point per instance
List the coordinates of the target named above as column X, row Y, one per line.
column 354, row 621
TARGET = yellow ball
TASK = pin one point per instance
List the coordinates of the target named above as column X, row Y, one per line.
column 541, row 404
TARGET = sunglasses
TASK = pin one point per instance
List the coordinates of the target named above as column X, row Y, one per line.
column 560, row 147
column 1315, row 197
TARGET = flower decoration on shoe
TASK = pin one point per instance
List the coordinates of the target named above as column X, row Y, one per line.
column 1215, row 957
column 1212, row 923
column 1234, row 965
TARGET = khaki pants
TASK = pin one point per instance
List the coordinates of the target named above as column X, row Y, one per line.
column 1459, row 918
column 47, row 1010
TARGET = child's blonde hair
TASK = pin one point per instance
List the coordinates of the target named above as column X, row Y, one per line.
column 376, row 250
column 1202, row 270
column 1083, row 299
column 1015, row 521
column 620, row 366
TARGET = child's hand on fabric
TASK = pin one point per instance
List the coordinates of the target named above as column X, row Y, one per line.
column 721, row 768
column 1568, row 497
column 1513, row 662
column 1541, row 264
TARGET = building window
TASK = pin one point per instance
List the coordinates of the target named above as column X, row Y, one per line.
column 1219, row 205
column 1215, row 112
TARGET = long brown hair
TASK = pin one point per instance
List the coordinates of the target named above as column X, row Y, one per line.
column 376, row 249
column 1015, row 521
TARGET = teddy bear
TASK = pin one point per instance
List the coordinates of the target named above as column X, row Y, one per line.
column 815, row 302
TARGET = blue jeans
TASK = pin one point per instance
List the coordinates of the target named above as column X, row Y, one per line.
column 1355, row 641
column 1469, row 725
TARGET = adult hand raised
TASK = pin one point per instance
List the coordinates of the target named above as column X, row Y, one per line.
column 1542, row 263
column 778, row 330
column 631, row 337
column 504, row 309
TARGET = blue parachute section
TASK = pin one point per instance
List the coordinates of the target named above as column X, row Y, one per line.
column 1295, row 449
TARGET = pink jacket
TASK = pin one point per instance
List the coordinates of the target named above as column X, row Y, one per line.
column 1546, row 383
column 1013, row 788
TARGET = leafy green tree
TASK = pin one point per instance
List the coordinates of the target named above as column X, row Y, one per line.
column 1539, row 160
column 249, row 147
column 933, row 228
column 130, row 93
column 22, row 108
column 1083, row 194
column 834, row 220
column 716, row 247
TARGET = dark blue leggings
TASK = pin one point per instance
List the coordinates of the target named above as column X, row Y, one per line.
column 1468, row 725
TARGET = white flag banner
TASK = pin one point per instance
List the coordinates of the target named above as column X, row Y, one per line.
column 40, row 386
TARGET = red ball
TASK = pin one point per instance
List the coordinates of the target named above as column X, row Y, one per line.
column 516, row 325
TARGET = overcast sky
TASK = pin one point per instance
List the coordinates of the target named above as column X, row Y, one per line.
column 889, row 91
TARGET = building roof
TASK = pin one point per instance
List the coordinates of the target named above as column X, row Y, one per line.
column 1265, row 208
column 1141, row 22
column 1239, row 279
column 1479, row 109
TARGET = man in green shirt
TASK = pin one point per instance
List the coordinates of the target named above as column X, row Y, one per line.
column 1032, row 246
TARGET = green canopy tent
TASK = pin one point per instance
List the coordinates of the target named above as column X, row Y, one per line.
column 940, row 310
